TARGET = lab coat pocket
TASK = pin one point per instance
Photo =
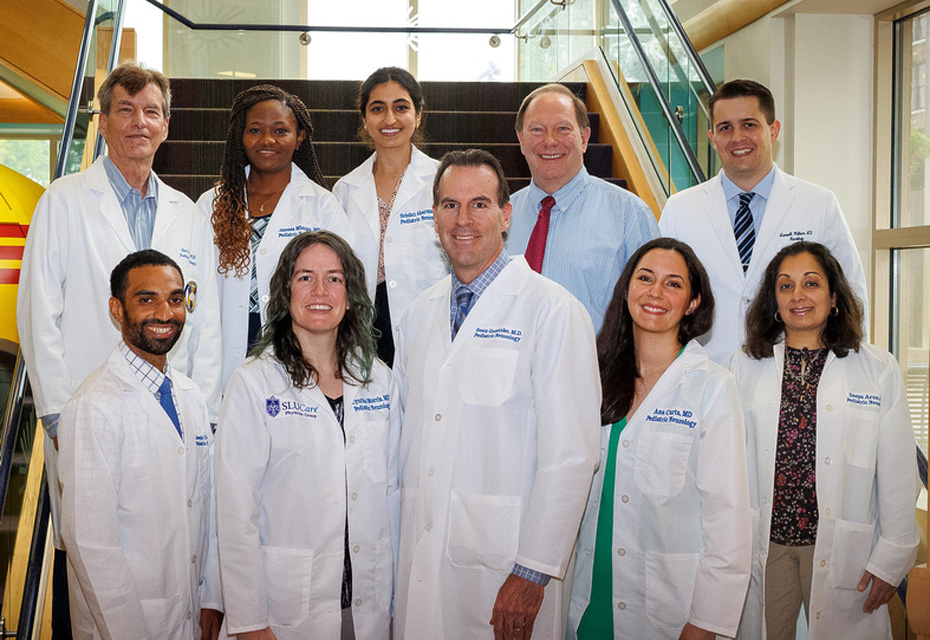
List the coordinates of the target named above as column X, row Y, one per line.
column 488, row 376
column 287, row 574
column 155, row 612
column 669, row 586
column 852, row 546
column 863, row 426
column 484, row 531
column 661, row 462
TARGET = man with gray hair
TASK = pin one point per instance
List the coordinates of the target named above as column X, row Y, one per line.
column 82, row 227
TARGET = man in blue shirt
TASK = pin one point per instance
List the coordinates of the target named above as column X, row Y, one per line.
column 574, row 228
column 738, row 220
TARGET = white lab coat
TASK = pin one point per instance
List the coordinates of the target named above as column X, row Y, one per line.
column 866, row 486
column 78, row 234
column 796, row 210
column 137, row 512
column 304, row 206
column 284, row 477
column 413, row 258
column 681, row 525
column 497, row 450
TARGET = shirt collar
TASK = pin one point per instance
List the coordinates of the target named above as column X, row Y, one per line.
column 122, row 188
column 565, row 196
column 762, row 190
column 484, row 279
column 148, row 375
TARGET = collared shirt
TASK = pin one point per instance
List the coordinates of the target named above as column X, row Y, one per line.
column 149, row 376
column 478, row 285
column 138, row 211
column 594, row 228
column 758, row 202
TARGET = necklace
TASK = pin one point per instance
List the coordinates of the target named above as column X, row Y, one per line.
column 261, row 208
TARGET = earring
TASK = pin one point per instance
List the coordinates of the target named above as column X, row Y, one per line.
column 836, row 311
column 778, row 317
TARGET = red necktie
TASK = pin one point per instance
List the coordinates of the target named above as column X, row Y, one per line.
column 536, row 248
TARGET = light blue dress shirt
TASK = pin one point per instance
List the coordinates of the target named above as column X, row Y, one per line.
column 594, row 228
column 758, row 202
column 138, row 211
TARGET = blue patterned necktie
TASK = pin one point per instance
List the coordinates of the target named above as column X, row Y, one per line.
column 743, row 230
column 463, row 299
column 167, row 403
column 258, row 231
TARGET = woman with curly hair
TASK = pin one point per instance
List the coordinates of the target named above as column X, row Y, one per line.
column 389, row 200
column 302, row 460
column 270, row 189
column 832, row 471
column 664, row 546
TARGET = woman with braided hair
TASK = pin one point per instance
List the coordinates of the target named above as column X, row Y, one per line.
column 389, row 201
column 271, row 189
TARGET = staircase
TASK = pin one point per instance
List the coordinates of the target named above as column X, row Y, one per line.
column 458, row 115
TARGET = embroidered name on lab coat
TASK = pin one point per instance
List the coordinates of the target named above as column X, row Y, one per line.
column 864, row 399
column 202, row 440
column 190, row 256
column 674, row 416
column 796, row 236
column 513, row 335
column 296, row 230
column 413, row 217
column 372, row 404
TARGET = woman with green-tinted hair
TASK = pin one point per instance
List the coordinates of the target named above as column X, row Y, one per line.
column 302, row 459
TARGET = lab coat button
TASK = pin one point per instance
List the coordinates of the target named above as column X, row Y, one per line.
column 829, row 407
column 826, row 511
column 621, row 606
column 429, row 526
column 354, row 496
column 264, row 298
column 624, row 498
column 188, row 615
column 358, row 602
column 180, row 451
column 823, row 563
column 190, row 503
column 621, row 552
column 351, row 439
column 828, row 460
column 356, row 548
column 388, row 239
column 438, row 417
column 263, row 251
column 194, row 558
column 430, row 473
column 392, row 283
column 818, row 615
column 625, row 443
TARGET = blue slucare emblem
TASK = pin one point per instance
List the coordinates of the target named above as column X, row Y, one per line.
column 272, row 406
column 190, row 296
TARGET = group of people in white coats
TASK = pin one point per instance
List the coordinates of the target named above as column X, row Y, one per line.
column 723, row 500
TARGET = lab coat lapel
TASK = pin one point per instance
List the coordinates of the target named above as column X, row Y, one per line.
column 414, row 179
column 165, row 213
column 109, row 206
column 672, row 378
column 137, row 394
column 781, row 199
column 364, row 193
column 714, row 200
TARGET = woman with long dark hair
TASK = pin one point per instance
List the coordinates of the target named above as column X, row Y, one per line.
column 302, row 460
column 665, row 542
column 270, row 190
column 831, row 456
column 389, row 200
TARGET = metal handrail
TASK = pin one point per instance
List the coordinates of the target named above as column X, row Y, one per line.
column 673, row 123
column 709, row 86
column 11, row 421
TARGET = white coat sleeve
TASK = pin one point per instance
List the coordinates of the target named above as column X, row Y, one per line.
column 394, row 475
column 243, row 447
column 567, row 398
column 332, row 217
column 205, row 350
column 838, row 238
column 40, row 303
column 88, row 467
column 210, row 592
column 896, row 479
column 724, row 564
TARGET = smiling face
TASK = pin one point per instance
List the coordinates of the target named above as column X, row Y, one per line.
column 552, row 141
column 743, row 140
column 468, row 219
column 271, row 136
column 804, row 300
column 135, row 126
column 318, row 293
column 390, row 116
column 152, row 316
column 659, row 295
